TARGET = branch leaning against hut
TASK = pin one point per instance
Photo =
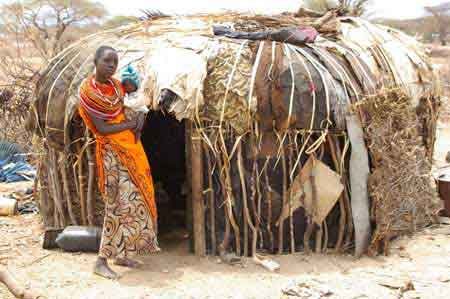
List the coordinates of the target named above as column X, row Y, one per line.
column 223, row 247
column 319, row 232
column 247, row 217
column 80, row 175
column 90, row 204
column 56, row 186
column 226, row 165
column 63, row 161
column 289, row 194
column 342, row 216
column 211, row 199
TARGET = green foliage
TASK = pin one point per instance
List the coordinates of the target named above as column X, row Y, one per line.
column 117, row 21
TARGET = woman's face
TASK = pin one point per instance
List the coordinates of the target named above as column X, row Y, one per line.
column 106, row 65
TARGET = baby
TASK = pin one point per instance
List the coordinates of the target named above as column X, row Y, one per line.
column 131, row 82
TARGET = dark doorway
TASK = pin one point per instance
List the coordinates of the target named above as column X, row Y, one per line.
column 163, row 139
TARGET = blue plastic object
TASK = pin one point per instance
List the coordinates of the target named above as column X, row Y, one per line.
column 13, row 165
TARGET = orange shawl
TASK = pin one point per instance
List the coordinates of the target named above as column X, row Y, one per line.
column 130, row 154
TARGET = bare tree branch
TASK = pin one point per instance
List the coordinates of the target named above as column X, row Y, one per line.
column 355, row 7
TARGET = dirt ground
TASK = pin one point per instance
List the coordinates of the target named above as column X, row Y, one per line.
column 418, row 267
column 422, row 260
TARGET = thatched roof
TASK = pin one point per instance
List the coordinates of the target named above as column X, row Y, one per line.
column 316, row 82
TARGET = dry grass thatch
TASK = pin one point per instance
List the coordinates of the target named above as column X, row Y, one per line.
column 403, row 194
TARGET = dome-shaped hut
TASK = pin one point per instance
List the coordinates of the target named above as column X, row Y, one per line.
column 278, row 146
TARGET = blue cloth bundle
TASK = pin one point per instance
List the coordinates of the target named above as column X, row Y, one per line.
column 131, row 75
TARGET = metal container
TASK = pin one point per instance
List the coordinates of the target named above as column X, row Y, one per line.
column 8, row 206
column 443, row 185
column 80, row 239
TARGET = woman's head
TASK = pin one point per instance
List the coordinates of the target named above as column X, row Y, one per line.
column 106, row 61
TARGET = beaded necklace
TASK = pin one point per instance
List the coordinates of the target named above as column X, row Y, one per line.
column 105, row 98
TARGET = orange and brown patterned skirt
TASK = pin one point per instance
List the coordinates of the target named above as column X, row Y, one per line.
column 128, row 226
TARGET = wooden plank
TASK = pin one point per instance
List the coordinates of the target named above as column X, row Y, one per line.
column 198, row 205
column 189, row 213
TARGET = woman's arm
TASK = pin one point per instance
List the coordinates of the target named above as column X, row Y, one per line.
column 140, row 121
column 104, row 128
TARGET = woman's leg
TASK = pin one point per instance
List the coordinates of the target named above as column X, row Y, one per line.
column 108, row 249
column 125, row 261
column 102, row 268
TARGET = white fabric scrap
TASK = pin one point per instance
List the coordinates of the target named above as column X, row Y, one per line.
column 180, row 70
column 135, row 103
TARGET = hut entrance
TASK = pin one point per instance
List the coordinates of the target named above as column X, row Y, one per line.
column 163, row 139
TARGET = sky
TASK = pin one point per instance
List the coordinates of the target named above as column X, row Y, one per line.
column 403, row 9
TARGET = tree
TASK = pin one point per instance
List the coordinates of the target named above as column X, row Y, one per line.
column 356, row 7
column 441, row 14
column 32, row 32
column 43, row 23
column 117, row 21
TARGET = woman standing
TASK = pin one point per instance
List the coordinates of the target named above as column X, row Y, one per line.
column 130, row 224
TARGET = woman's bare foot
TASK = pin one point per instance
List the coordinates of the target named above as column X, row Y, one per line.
column 101, row 268
column 126, row 262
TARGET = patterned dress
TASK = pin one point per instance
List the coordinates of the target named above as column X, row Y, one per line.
column 124, row 176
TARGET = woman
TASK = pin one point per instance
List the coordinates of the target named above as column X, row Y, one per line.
column 123, row 169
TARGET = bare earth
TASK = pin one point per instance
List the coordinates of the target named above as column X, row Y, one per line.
column 421, row 262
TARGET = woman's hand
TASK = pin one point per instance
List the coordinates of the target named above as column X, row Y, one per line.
column 140, row 121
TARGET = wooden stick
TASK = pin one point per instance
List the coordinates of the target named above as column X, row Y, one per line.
column 14, row 288
column 253, row 195
column 57, row 192
column 68, row 195
column 229, row 200
column 198, row 206
column 223, row 247
column 46, row 205
column 212, row 204
column 246, row 220
column 307, row 235
column 291, row 212
column 319, row 236
column 247, row 217
column 310, row 227
column 343, row 214
column 258, row 211
column 75, row 180
column 188, row 165
column 91, row 183
column 81, row 187
column 325, row 240
column 36, row 180
column 285, row 195
column 347, row 205
column 269, row 211
column 319, row 232
column 51, row 191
